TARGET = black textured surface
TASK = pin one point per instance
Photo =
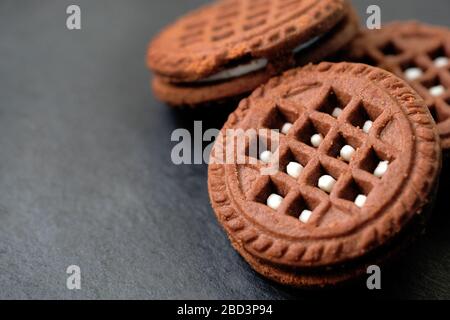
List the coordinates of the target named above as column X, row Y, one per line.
column 86, row 176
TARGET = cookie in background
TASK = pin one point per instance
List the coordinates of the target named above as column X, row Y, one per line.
column 416, row 52
column 228, row 48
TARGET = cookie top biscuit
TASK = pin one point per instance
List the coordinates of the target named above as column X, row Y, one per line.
column 419, row 54
column 215, row 36
column 357, row 157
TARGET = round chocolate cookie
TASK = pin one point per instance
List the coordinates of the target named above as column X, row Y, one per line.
column 228, row 48
column 346, row 164
column 418, row 53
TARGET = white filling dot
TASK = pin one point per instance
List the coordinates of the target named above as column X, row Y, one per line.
column 413, row 73
column 294, row 169
column 305, row 215
column 347, row 152
column 441, row 62
column 437, row 91
column 286, row 127
column 326, row 183
column 265, row 156
column 274, row 201
column 360, row 200
column 336, row 112
column 316, row 140
column 381, row 169
column 367, row 126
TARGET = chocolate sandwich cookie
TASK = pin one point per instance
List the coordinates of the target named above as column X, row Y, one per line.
column 418, row 53
column 228, row 48
column 357, row 158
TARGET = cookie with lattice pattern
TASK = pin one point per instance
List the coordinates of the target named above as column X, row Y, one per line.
column 357, row 158
column 229, row 47
column 418, row 53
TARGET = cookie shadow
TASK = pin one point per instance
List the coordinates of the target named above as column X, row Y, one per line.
column 394, row 280
column 211, row 115
column 440, row 219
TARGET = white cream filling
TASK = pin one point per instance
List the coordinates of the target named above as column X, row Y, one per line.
column 243, row 69
column 306, row 44
column 252, row 66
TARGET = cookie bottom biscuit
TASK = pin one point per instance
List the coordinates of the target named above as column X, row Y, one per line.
column 195, row 94
column 345, row 273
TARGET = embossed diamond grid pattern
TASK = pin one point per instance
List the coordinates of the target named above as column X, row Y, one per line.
column 353, row 177
column 398, row 56
column 235, row 17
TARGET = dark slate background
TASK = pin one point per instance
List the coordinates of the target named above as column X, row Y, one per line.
column 86, row 176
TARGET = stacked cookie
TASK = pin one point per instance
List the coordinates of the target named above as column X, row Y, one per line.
column 229, row 48
column 337, row 164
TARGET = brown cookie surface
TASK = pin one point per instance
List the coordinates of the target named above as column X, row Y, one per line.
column 419, row 54
column 377, row 144
column 205, row 55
